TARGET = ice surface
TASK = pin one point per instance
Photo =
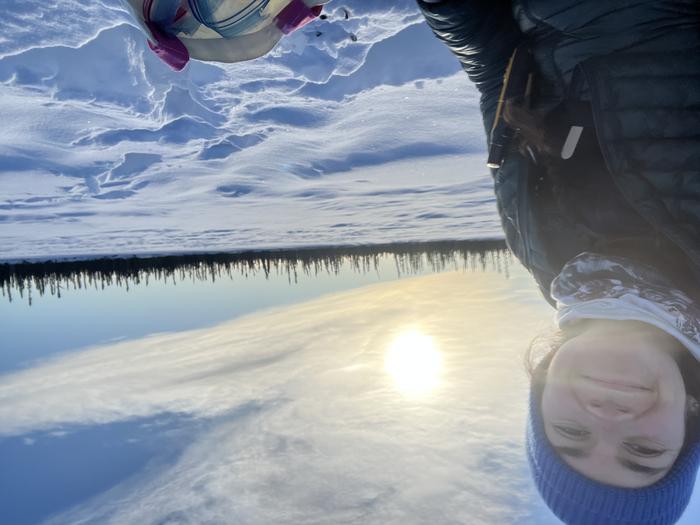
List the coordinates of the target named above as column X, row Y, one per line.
column 104, row 150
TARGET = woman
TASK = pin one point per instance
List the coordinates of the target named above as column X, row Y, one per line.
column 599, row 197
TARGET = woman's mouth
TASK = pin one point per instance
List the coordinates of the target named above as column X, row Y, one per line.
column 619, row 384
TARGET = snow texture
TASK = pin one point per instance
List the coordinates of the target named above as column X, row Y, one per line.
column 350, row 131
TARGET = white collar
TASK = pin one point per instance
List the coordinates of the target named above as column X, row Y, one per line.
column 593, row 286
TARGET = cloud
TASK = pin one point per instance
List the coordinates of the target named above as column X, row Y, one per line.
column 306, row 425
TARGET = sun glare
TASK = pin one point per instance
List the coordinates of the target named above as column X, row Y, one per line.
column 414, row 363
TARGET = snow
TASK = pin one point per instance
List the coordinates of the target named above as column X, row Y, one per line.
column 105, row 151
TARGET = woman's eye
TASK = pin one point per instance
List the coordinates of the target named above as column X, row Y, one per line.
column 572, row 432
column 641, row 450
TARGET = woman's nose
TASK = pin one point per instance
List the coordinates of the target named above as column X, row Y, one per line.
column 609, row 410
column 614, row 404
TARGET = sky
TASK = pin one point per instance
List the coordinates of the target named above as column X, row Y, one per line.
column 399, row 402
column 327, row 140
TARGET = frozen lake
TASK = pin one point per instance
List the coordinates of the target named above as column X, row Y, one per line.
column 366, row 394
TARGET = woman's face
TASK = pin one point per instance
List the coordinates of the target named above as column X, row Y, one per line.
column 614, row 403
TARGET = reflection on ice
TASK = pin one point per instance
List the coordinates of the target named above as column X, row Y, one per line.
column 414, row 363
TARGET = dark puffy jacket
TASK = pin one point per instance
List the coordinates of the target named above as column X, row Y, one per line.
column 638, row 65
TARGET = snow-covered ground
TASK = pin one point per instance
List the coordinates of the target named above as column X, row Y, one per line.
column 327, row 140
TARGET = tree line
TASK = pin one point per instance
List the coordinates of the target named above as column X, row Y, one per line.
column 26, row 279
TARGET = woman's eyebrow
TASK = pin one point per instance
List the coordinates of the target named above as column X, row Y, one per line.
column 642, row 469
column 631, row 465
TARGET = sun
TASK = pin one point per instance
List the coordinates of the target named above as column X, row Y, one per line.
column 414, row 363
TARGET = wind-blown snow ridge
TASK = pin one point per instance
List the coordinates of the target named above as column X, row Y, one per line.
column 100, row 139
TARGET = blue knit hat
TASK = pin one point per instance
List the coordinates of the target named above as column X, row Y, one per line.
column 577, row 500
